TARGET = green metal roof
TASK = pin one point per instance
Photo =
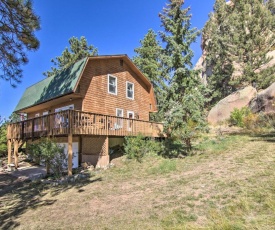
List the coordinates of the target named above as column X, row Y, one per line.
column 52, row 87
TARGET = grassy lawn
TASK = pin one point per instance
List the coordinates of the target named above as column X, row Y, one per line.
column 229, row 185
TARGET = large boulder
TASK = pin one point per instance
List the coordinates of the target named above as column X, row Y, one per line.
column 264, row 101
column 221, row 111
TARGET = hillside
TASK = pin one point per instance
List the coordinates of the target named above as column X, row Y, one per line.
column 229, row 185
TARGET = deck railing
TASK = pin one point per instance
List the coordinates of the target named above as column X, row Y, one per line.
column 81, row 123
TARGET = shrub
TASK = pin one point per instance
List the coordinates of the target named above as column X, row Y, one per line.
column 173, row 148
column 266, row 120
column 3, row 140
column 53, row 154
column 251, row 121
column 137, row 147
column 237, row 116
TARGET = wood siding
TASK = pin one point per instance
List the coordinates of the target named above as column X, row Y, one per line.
column 94, row 89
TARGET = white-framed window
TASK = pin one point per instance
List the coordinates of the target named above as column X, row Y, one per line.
column 64, row 108
column 44, row 120
column 112, row 84
column 130, row 90
column 36, row 122
column 130, row 115
column 61, row 119
column 119, row 112
column 119, row 122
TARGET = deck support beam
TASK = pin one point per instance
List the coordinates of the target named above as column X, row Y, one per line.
column 9, row 151
column 70, row 154
column 104, row 158
column 15, row 152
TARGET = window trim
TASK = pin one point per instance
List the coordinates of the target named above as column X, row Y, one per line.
column 119, row 121
column 128, row 82
column 129, row 121
column 64, row 108
column 121, row 111
column 116, row 88
column 128, row 113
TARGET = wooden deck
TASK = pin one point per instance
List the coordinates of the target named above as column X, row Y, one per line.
column 81, row 123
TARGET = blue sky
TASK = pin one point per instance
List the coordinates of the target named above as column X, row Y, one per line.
column 114, row 27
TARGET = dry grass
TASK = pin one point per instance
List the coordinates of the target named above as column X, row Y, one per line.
column 230, row 185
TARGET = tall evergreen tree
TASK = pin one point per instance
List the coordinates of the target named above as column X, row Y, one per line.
column 17, row 26
column 79, row 49
column 148, row 61
column 237, row 38
column 253, row 36
column 270, row 4
column 184, row 103
column 216, row 42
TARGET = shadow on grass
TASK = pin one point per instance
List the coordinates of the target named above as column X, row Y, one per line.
column 16, row 197
column 268, row 137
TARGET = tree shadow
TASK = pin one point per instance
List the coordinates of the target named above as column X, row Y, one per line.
column 268, row 137
column 16, row 197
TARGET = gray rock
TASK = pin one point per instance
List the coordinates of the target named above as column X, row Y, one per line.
column 264, row 101
column 222, row 110
column 83, row 176
column 76, row 177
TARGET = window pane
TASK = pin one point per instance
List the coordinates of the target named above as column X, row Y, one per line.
column 130, row 94
column 112, row 84
column 119, row 113
column 112, row 81
column 130, row 91
column 112, row 89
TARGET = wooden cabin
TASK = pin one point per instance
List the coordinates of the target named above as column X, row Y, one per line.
column 89, row 107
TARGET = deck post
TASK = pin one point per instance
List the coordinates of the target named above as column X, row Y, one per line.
column 32, row 129
column 70, row 154
column 104, row 158
column 9, row 151
column 15, row 152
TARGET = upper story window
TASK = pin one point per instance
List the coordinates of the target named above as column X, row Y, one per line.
column 112, row 84
column 129, row 90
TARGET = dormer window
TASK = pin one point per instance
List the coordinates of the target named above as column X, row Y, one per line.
column 130, row 90
column 112, row 84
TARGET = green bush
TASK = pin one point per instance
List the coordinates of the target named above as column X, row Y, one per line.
column 3, row 140
column 237, row 116
column 137, row 147
column 266, row 121
column 173, row 148
column 53, row 155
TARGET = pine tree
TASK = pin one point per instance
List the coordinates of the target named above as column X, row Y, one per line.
column 79, row 49
column 237, row 39
column 270, row 4
column 3, row 137
column 148, row 61
column 252, row 32
column 184, row 103
column 216, row 43
column 17, row 26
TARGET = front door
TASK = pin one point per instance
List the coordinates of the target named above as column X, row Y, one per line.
column 130, row 115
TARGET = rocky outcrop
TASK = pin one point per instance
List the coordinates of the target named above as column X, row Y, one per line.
column 221, row 111
column 264, row 101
